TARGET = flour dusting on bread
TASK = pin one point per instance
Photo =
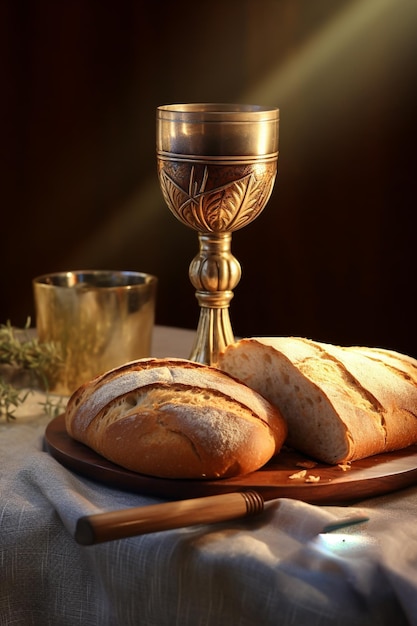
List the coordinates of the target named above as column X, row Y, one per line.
column 176, row 419
column 340, row 403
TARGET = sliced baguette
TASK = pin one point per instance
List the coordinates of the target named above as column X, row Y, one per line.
column 340, row 403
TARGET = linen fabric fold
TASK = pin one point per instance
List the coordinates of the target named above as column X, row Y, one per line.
column 276, row 568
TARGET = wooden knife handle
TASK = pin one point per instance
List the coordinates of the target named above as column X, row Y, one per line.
column 92, row 529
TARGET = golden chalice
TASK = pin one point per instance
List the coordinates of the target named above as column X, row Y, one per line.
column 217, row 165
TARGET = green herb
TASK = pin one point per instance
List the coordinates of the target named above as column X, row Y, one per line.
column 18, row 349
column 10, row 399
column 51, row 407
column 40, row 361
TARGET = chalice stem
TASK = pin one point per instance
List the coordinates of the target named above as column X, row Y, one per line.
column 214, row 272
column 214, row 333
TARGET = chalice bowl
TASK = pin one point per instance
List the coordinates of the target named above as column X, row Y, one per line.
column 217, row 165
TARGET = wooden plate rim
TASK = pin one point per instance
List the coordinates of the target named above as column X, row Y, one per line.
column 369, row 477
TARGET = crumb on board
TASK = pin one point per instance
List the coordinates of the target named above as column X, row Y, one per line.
column 298, row 475
column 345, row 466
column 302, row 475
column 312, row 479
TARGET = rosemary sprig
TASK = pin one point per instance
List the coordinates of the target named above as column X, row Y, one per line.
column 10, row 399
column 52, row 408
column 20, row 351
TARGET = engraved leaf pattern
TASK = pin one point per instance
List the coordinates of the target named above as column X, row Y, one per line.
column 219, row 207
column 257, row 195
column 175, row 197
column 228, row 207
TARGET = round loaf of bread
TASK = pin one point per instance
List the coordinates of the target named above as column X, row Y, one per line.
column 174, row 418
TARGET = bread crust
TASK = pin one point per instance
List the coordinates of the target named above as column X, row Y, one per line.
column 174, row 418
column 340, row 403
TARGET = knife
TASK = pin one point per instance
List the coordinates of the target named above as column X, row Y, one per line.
column 101, row 527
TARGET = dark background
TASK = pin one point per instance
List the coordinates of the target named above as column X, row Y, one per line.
column 332, row 257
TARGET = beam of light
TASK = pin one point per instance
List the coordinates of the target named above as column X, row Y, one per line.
column 351, row 546
column 362, row 25
column 336, row 50
column 130, row 225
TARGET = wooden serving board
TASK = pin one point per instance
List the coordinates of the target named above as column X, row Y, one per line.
column 370, row 477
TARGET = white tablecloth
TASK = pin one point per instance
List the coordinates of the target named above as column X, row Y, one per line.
column 273, row 569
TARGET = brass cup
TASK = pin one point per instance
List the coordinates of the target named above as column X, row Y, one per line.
column 217, row 165
column 97, row 320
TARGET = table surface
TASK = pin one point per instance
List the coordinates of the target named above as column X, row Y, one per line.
column 275, row 568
